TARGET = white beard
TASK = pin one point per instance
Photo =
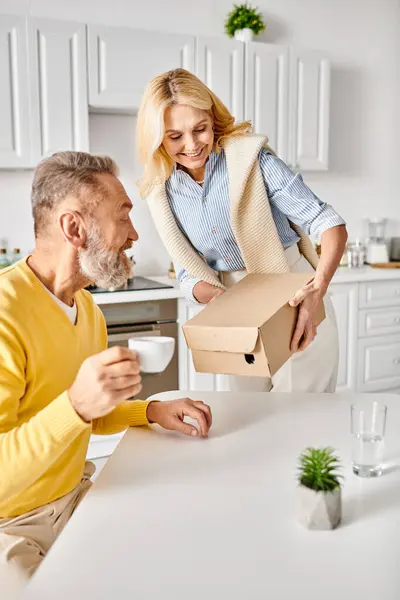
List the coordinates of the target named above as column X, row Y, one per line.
column 105, row 268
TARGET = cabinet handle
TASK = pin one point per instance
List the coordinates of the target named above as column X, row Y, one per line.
column 396, row 361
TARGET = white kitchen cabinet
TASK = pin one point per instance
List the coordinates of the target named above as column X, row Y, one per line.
column 309, row 110
column 379, row 321
column 15, row 144
column 58, row 79
column 189, row 379
column 122, row 61
column 380, row 294
column 267, row 93
column 287, row 95
column 379, row 364
column 220, row 65
column 345, row 301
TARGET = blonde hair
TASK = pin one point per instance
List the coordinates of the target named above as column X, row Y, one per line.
column 64, row 174
column 176, row 87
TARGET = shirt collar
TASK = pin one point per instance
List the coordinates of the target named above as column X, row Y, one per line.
column 178, row 173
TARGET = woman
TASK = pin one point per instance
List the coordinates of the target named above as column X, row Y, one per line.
column 225, row 205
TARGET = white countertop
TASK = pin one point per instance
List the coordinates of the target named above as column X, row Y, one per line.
column 346, row 275
column 173, row 517
column 343, row 275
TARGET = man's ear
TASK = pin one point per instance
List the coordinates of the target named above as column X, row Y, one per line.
column 73, row 228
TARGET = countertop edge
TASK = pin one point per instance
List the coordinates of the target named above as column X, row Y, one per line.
column 343, row 275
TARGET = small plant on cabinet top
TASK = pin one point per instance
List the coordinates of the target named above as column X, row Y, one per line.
column 243, row 16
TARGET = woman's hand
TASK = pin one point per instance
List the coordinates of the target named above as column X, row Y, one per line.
column 308, row 299
column 205, row 292
column 333, row 242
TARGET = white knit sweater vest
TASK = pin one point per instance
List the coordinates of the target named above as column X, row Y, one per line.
column 251, row 218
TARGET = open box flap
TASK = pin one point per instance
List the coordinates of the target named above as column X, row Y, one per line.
column 251, row 302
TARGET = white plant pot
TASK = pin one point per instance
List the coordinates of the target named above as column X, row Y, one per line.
column 319, row 510
column 244, row 35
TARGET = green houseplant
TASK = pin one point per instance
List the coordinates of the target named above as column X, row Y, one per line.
column 319, row 490
column 243, row 22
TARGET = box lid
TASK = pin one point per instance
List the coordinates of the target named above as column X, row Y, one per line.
column 231, row 322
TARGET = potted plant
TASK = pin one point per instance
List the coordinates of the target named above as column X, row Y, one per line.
column 319, row 490
column 243, row 22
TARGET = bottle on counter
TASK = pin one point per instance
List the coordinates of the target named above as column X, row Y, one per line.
column 355, row 254
column 171, row 271
column 4, row 262
column 16, row 255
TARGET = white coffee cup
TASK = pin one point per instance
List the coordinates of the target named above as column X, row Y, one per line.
column 155, row 353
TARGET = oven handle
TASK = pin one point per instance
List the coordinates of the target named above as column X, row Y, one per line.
column 148, row 331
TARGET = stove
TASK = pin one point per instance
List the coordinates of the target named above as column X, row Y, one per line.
column 135, row 284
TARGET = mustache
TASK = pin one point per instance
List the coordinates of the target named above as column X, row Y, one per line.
column 127, row 246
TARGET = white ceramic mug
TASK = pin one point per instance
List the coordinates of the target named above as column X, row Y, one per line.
column 155, row 353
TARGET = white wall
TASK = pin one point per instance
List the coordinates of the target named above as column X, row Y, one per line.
column 361, row 38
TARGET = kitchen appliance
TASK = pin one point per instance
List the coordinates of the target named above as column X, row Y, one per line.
column 377, row 249
column 127, row 320
column 395, row 249
column 135, row 284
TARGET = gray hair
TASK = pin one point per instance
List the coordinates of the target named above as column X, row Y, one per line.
column 64, row 174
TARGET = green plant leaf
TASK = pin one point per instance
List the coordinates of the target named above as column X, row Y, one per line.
column 318, row 469
column 244, row 16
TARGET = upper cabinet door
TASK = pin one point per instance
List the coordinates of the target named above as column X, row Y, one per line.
column 58, row 78
column 309, row 110
column 266, row 93
column 15, row 150
column 122, row 62
column 220, row 65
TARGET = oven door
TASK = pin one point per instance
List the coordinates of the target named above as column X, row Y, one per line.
column 153, row 383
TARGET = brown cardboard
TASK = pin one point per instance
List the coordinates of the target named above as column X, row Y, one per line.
column 248, row 329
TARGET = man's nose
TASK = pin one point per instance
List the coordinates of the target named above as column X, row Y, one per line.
column 133, row 234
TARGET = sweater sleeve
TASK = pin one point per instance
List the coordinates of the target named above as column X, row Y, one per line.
column 132, row 413
column 187, row 283
column 29, row 449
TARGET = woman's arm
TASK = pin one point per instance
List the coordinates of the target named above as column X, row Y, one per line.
column 288, row 193
column 290, row 196
column 333, row 242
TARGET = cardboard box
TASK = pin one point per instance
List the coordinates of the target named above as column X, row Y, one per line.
column 248, row 329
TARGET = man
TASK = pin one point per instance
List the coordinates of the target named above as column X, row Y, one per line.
column 58, row 382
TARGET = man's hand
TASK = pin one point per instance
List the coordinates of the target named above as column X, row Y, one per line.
column 104, row 381
column 205, row 292
column 171, row 414
column 309, row 298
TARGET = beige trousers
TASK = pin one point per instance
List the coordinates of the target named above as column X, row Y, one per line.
column 313, row 370
column 26, row 539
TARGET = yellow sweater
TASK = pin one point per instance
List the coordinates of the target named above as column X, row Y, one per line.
column 43, row 442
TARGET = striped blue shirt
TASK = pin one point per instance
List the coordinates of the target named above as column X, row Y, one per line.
column 203, row 213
